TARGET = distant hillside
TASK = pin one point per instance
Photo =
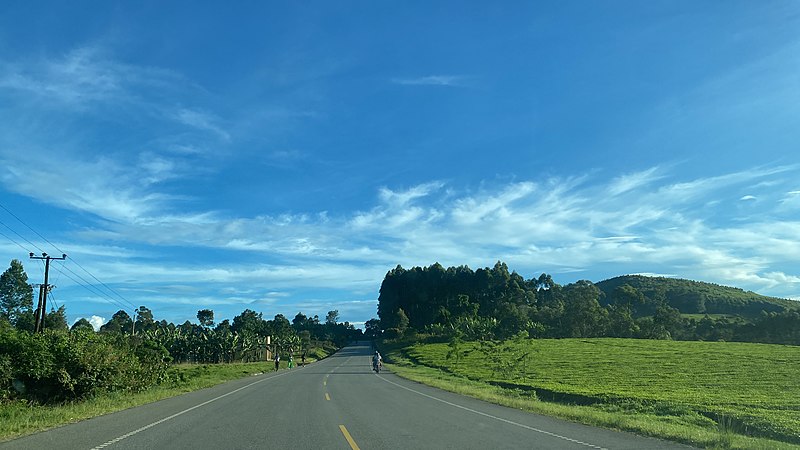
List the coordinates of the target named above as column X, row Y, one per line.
column 696, row 297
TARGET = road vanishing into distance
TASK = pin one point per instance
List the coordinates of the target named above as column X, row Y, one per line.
column 336, row 403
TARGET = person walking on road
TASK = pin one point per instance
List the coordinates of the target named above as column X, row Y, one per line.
column 303, row 359
column 291, row 361
column 277, row 360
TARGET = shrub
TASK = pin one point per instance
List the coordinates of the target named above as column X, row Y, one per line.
column 392, row 333
column 57, row 366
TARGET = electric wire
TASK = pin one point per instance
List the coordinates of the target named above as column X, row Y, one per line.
column 87, row 284
column 21, row 236
column 15, row 242
column 58, row 249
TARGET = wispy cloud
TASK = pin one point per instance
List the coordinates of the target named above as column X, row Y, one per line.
column 434, row 80
column 203, row 121
column 85, row 76
column 100, row 187
column 558, row 225
column 632, row 181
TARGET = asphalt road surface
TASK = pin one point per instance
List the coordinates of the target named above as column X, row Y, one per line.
column 336, row 403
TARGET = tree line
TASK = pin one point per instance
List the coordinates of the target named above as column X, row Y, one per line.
column 495, row 303
column 125, row 354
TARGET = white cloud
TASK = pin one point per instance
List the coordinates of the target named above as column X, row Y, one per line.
column 97, row 322
column 633, row 181
column 203, row 121
column 748, row 197
column 101, row 187
column 433, row 80
column 567, row 226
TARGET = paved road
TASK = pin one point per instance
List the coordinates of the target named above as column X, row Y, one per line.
column 334, row 403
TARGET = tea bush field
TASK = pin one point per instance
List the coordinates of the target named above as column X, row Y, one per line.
column 751, row 388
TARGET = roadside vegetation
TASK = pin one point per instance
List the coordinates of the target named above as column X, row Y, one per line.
column 20, row 417
column 66, row 374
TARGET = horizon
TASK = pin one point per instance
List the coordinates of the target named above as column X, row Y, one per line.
column 283, row 158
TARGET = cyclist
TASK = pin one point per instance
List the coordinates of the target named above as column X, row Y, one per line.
column 377, row 361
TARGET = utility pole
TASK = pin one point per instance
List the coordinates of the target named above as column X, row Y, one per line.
column 41, row 309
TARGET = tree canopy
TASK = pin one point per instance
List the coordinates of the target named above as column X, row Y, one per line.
column 16, row 295
column 498, row 303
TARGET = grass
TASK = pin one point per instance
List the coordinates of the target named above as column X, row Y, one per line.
column 709, row 394
column 20, row 418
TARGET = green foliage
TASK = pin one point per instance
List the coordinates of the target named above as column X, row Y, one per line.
column 249, row 321
column 144, row 319
column 82, row 324
column 332, row 317
column 16, row 295
column 392, row 333
column 751, row 385
column 56, row 319
column 120, row 322
column 57, row 366
column 372, row 328
column 695, row 297
column 493, row 303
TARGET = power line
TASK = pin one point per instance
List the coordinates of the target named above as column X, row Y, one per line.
column 71, row 259
column 21, row 237
column 105, row 285
column 29, row 227
column 27, row 250
column 88, row 286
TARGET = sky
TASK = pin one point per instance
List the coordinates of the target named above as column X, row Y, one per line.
column 283, row 156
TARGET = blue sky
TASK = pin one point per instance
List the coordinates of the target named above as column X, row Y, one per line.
column 283, row 156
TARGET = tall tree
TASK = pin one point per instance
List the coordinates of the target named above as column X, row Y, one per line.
column 120, row 323
column 82, row 324
column 16, row 295
column 56, row 319
column 144, row 319
column 332, row 317
column 584, row 317
column 249, row 320
column 372, row 328
column 206, row 317
column 281, row 326
column 300, row 322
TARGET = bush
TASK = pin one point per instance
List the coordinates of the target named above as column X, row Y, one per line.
column 57, row 366
column 392, row 333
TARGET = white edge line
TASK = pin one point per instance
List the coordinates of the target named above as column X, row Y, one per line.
column 129, row 434
column 510, row 422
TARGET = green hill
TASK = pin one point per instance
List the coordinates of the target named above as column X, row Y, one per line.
column 697, row 297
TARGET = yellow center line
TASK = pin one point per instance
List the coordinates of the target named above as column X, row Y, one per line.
column 349, row 438
column 327, row 397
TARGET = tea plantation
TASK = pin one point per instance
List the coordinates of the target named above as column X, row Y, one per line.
column 750, row 387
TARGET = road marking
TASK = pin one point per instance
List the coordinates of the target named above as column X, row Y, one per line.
column 349, row 438
column 127, row 435
column 510, row 422
column 327, row 397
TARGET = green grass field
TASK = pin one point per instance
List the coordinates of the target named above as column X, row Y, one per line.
column 751, row 389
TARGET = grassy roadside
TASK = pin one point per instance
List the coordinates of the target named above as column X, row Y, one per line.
column 19, row 419
column 683, row 426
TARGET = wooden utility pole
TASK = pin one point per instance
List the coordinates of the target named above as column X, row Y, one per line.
column 41, row 309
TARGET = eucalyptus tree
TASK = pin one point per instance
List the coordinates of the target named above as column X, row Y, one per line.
column 16, row 295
